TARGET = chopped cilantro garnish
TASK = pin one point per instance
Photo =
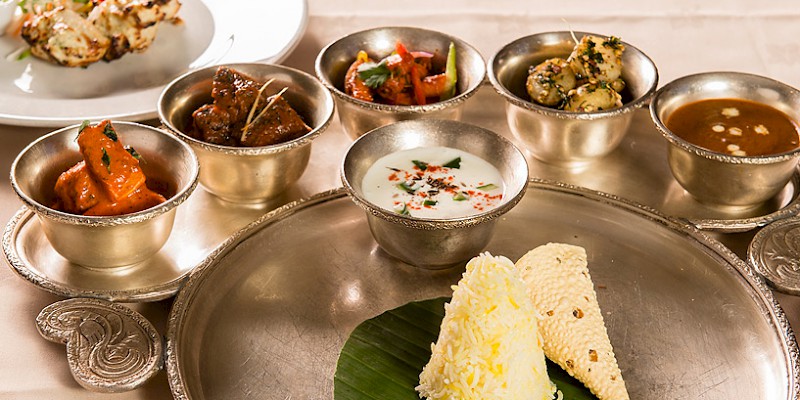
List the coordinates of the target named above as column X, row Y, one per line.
column 106, row 160
column 374, row 75
column 429, row 202
column 454, row 163
column 460, row 196
column 408, row 189
column 613, row 42
column 402, row 209
column 24, row 54
column 422, row 165
column 84, row 124
column 108, row 130
column 134, row 153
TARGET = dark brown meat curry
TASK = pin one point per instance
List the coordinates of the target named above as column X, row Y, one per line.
column 243, row 115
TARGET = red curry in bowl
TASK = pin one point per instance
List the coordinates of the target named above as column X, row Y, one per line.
column 402, row 78
column 108, row 181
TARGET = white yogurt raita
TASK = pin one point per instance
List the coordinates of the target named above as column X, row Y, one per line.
column 433, row 183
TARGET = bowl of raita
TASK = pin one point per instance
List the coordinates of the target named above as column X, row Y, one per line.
column 433, row 189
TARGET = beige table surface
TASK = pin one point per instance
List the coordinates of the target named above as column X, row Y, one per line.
column 682, row 37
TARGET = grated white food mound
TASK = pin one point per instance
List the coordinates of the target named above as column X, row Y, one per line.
column 575, row 336
column 489, row 345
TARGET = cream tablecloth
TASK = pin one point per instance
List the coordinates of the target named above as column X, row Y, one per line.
column 682, row 37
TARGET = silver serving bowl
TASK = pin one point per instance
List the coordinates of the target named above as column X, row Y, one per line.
column 107, row 241
column 723, row 179
column 249, row 174
column 359, row 116
column 564, row 137
column 433, row 243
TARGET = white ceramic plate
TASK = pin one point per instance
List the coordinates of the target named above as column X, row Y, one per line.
column 34, row 92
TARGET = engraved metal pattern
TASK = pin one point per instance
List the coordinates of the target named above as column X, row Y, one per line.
column 307, row 346
column 775, row 253
column 110, row 348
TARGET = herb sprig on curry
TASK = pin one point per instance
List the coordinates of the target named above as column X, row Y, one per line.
column 242, row 114
column 401, row 78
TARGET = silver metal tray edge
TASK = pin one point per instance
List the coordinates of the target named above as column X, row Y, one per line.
column 185, row 296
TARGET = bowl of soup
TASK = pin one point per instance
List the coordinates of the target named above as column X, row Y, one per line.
column 734, row 138
column 433, row 189
column 105, row 193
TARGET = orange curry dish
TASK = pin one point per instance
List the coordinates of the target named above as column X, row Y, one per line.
column 109, row 180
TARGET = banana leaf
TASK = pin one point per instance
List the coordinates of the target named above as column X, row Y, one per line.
column 384, row 356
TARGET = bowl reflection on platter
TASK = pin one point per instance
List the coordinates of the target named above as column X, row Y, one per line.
column 106, row 241
column 562, row 137
column 433, row 243
column 726, row 180
column 358, row 116
column 249, row 174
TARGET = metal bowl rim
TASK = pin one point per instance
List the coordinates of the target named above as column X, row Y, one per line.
column 389, row 108
column 562, row 114
column 687, row 146
column 126, row 219
column 250, row 151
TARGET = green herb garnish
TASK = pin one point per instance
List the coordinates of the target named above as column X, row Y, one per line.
column 454, row 163
column 488, row 187
column 428, row 202
column 374, row 75
column 403, row 210
column 106, row 160
column 134, row 153
column 422, row 165
column 108, row 130
column 24, row 54
column 613, row 42
column 84, row 124
column 461, row 196
column 404, row 187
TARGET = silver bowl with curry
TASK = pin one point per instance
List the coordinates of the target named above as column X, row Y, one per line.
column 734, row 138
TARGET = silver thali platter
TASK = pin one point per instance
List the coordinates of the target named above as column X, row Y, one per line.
column 267, row 314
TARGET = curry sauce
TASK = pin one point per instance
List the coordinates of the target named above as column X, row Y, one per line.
column 109, row 179
column 735, row 126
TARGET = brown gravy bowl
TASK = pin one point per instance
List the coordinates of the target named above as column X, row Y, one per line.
column 731, row 176
column 735, row 126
